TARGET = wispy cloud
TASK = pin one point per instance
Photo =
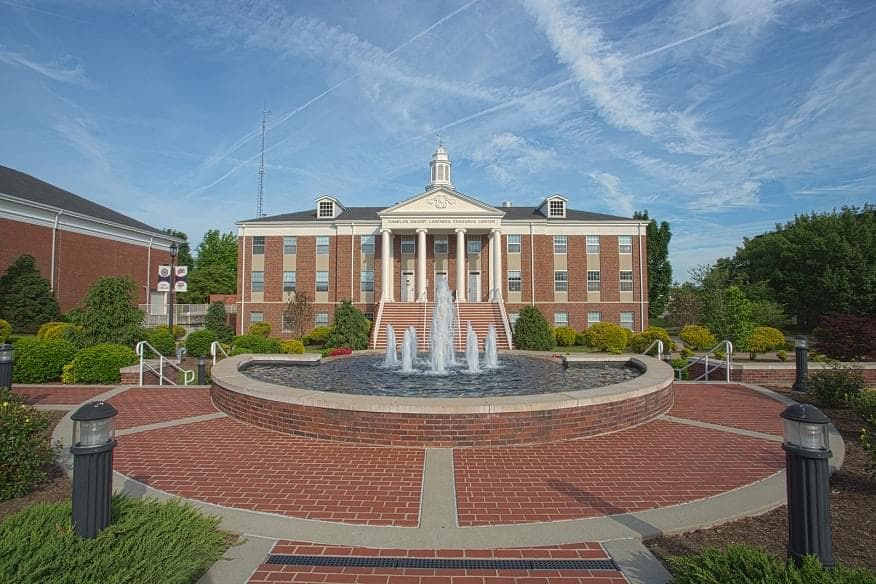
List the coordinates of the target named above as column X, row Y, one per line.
column 509, row 157
column 616, row 197
column 53, row 70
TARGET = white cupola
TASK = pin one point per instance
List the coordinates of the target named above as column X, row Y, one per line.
column 440, row 167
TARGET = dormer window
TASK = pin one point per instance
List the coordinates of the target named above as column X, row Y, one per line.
column 326, row 209
column 556, row 208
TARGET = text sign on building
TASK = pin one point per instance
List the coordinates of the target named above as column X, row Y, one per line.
column 164, row 278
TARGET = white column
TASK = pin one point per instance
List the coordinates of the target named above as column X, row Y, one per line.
column 422, row 294
column 460, row 265
column 497, row 264
column 492, row 273
column 385, row 265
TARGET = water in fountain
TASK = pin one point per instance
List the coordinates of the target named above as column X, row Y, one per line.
column 491, row 357
column 443, row 329
column 391, row 359
column 409, row 349
column 471, row 350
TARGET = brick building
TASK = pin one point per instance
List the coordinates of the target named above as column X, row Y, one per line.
column 76, row 241
column 577, row 267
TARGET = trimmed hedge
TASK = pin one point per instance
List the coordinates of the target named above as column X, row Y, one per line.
column 607, row 336
column 532, row 331
column 697, row 337
column 5, row 330
column 292, row 347
column 255, row 344
column 641, row 341
column 260, row 329
column 565, row 336
column 26, row 448
column 39, row 361
column 763, row 339
column 99, row 364
column 318, row 336
column 52, row 330
column 162, row 341
column 198, row 342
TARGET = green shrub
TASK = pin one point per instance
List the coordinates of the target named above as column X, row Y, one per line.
column 581, row 339
column 836, row 385
column 216, row 321
column 47, row 329
column 607, row 336
column 292, row 347
column 782, row 355
column 641, row 341
column 318, row 336
column 866, row 408
column 38, row 361
column 161, row 341
column 565, row 336
column 686, row 353
column 697, row 337
column 261, row 329
column 109, row 314
column 719, row 354
column 26, row 298
column 101, row 363
column 198, row 343
column 678, row 364
column 179, row 331
column 255, row 344
column 26, row 450
column 742, row 563
column 5, row 331
column 531, row 331
column 146, row 541
column 763, row 339
column 350, row 328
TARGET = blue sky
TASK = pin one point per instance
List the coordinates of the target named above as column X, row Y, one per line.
column 722, row 117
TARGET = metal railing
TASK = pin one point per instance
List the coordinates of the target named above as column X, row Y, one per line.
column 142, row 346
column 659, row 344
column 191, row 315
column 377, row 321
column 215, row 349
column 507, row 324
column 728, row 357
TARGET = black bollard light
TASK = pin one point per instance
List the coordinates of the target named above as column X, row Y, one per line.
column 807, row 473
column 202, row 370
column 801, row 356
column 7, row 360
column 94, row 437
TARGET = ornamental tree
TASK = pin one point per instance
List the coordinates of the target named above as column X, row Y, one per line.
column 26, row 299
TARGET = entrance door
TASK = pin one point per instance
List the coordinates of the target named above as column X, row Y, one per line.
column 474, row 286
column 407, row 287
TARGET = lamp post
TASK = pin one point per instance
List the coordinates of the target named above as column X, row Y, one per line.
column 174, row 250
column 7, row 360
column 807, row 449
column 93, row 442
column 801, row 356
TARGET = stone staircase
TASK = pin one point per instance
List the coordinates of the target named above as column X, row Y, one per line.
column 401, row 315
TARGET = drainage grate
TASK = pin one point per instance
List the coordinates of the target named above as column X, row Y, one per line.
column 440, row 563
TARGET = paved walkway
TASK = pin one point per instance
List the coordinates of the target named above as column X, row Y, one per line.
column 715, row 456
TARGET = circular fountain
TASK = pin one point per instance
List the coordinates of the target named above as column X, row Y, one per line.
column 443, row 398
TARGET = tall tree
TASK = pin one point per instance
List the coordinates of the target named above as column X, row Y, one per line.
column 184, row 255
column 215, row 270
column 659, row 268
column 217, row 248
column 26, row 299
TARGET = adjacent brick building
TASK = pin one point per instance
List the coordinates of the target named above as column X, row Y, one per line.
column 577, row 267
column 75, row 241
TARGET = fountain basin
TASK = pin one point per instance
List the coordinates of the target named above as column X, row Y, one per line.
column 443, row 422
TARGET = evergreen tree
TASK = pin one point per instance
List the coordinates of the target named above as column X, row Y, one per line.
column 531, row 331
column 109, row 314
column 26, row 299
column 217, row 322
column 659, row 268
column 350, row 329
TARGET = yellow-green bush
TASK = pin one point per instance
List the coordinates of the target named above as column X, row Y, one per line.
column 51, row 330
column 5, row 330
column 763, row 339
column 39, row 361
column 318, row 336
column 292, row 346
column 261, row 329
column 607, row 336
column 25, row 446
column 697, row 337
column 100, row 363
column 641, row 341
column 565, row 336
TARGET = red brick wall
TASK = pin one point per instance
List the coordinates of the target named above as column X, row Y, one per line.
column 751, row 373
column 576, row 260
column 544, row 268
column 609, row 269
column 79, row 259
column 273, row 269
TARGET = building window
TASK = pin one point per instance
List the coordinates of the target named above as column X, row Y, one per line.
column 442, row 247
column 592, row 244
column 288, row 281
column 367, row 281
column 288, row 321
column 408, row 245
column 626, row 320
column 258, row 281
column 290, row 245
column 561, row 319
column 256, row 316
column 322, row 245
column 593, row 280
column 473, row 244
column 369, row 316
column 593, row 317
column 514, row 283
column 561, row 281
column 321, row 319
column 512, row 318
column 258, row 245
column 326, row 209
column 557, row 208
column 561, row 244
column 322, row 281
column 367, row 244
column 625, row 243
column 513, row 243
column 626, row 281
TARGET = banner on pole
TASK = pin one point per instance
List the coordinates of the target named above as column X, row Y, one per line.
column 164, row 278
column 181, row 282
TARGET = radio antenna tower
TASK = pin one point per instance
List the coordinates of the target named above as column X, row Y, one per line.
column 261, row 200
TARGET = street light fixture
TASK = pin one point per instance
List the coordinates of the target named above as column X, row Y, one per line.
column 7, row 361
column 801, row 357
column 807, row 449
column 174, row 250
column 94, row 437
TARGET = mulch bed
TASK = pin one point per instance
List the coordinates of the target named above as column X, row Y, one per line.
column 853, row 510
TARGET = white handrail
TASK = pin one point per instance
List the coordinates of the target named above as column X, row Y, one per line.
column 507, row 324
column 728, row 348
column 659, row 344
column 213, row 350
column 188, row 375
column 376, row 326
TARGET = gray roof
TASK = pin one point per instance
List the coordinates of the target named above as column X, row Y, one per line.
column 24, row 186
column 370, row 214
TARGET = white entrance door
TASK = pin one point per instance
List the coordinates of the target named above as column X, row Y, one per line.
column 408, row 293
column 474, row 286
